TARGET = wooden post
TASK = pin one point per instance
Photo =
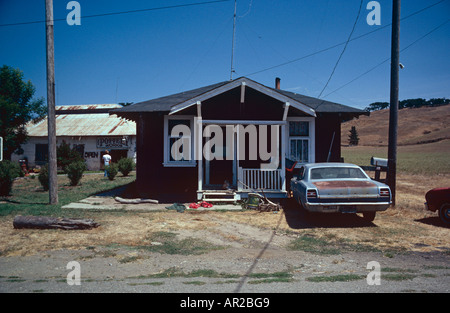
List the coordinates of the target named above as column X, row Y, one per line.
column 52, row 169
column 393, row 107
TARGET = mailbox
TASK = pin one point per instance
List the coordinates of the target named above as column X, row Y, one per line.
column 378, row 162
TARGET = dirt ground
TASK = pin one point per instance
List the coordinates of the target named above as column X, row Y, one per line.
column 233, row 241
column 407, row 227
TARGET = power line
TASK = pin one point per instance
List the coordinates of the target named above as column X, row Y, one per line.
column 343, row 50
column 342, row 43
column 122, row 12
column 388, row 59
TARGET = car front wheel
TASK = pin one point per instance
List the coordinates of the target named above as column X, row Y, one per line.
column 444, row 213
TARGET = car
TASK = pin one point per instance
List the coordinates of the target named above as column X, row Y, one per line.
column 339, row 187
column 438, row 199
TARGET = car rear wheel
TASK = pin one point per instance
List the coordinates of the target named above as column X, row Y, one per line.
column 369, row 216
column 444, row 213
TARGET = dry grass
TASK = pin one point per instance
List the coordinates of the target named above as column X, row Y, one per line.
column 414, row 125
column 408, row 227
column 130, row 229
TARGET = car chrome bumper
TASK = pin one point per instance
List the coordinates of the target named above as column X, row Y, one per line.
column 352, row 207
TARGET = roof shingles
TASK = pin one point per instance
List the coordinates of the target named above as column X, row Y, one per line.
column 164, row 104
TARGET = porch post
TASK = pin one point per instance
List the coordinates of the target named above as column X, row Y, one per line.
column 240, row 175
column 283, row 157
column 198, row 143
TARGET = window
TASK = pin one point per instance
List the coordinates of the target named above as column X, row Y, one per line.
column 299, row 150
column 178, row 143
column 298, row 128
column 337, row 173
column 41, row 154
column 299, row 141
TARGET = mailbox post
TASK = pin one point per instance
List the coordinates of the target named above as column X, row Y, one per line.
column 379, row 163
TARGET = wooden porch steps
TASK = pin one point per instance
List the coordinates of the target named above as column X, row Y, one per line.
column 219, row 196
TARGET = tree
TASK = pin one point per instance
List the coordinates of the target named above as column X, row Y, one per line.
column 409, row 103
column 353, row 138
column 17, row 108
column 377, row 106
column 125, row 104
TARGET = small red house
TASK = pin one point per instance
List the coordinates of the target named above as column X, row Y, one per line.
column 231, row 138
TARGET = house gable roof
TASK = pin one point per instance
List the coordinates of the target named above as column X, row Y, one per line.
column 180, row 101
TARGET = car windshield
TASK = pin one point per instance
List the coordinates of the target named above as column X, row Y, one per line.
column 336, row 173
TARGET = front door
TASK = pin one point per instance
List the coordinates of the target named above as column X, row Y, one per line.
column 221, row 170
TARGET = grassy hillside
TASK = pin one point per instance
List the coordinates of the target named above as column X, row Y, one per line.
column 423, row 140
column 415, row 126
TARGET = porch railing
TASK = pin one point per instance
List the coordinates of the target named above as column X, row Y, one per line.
column 257, row 179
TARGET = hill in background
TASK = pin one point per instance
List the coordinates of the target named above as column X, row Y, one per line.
column 415, row 126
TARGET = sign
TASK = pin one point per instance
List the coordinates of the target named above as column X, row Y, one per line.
column 113, row 142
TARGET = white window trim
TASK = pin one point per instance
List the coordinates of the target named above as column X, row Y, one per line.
column 167, row 162
column 311, row 138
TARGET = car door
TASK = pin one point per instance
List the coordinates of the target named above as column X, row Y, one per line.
column 296, row 184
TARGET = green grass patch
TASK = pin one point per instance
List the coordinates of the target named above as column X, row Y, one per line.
column 397, row 270
column 29, row 198
column 427, row 159
column 169, row 244
column 195, row 282
column 154, row 283
column 271, row 280
column 280, row 275
column 398, row 276
column 313, row 245
column 334, row 278
column 15, row 280
column 174, row 272
column 129, row 259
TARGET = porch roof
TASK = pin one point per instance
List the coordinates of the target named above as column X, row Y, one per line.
column 179, row 101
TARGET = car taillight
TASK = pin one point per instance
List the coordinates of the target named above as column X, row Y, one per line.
column 311, row 193
column 384, row 192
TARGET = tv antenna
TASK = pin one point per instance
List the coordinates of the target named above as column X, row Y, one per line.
column 232, row 44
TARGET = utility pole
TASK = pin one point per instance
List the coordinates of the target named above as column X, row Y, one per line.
column 52, row 170
column 393, row 107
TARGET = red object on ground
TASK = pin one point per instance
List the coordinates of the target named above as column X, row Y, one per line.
column 206, row 204
column 194, row 206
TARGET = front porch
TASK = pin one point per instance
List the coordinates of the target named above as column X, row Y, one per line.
column 239, row 169
column 272, row 183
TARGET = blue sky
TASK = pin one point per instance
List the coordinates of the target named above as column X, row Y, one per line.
column 140, row 56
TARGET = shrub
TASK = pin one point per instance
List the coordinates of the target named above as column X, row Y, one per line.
column 125, row 166
column 65, row 156
column 75, row 171
column 111, row 170
column 8, row 172
column 43, row 177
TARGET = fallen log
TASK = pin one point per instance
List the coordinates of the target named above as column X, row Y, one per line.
column 45, row 222
column 135, row 201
